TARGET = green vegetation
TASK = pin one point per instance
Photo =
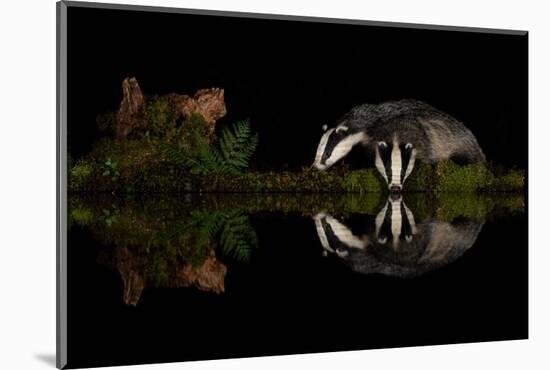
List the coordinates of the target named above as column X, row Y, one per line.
column 230, row 156
column 448, row 206
column 447, row 176
column 230, row 228
column 169, row 177
column 161, row 233
column 161, row 119
column 111, row 169
column 168, row 227
column 173, row 156
column 82, row 216
column 166, row 217
column 79, row 174
column 363, row 181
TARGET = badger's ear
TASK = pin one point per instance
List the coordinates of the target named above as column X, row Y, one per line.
column 382, row 144
column 341, row 128
column 324, row 127
column 408, row 146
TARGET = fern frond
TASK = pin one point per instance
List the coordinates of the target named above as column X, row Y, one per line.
column 232, row 155
column 238, row 237
column 237, row 144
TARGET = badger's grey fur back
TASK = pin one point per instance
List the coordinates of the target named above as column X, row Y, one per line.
column 429, row 134
column 397, row 246
column 435, row 135
column 435, row 245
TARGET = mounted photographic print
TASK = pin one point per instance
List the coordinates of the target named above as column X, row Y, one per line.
column 238, row 185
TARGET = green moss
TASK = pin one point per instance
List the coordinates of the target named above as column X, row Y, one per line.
column 161, row 118
column 163, row 127
column 161, row 176
column 363, row 181
column 447, row 176
column 79, row 174
column 82, row 216
column 81, row 170
column 422, row 178
column 192, row 135
column 452, row 205
column 126, row 153
column 513, row 180
column 141, row 216
column 454, row 178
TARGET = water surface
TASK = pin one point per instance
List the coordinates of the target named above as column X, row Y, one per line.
column 216, row 276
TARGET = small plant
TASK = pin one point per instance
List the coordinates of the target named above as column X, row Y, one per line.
column 230, row 155
column 111, row 169
column 111, row 216
column 81, row 170
column 83, row 216
column 79, row 174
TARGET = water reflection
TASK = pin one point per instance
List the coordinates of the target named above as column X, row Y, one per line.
column 395, row 244
column 196, row 241
column 135, row 270
column 178, row 251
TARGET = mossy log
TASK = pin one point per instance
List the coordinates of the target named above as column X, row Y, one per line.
column 167, row 177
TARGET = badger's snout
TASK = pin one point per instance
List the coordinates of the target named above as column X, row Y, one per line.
column 395, row 188
column 335, row 144
column 396, row 197
column 319, row 166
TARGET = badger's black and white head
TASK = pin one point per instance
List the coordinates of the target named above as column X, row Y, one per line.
column 336, row 143
column 395, row 162
column 336, row 237
column 395, row 223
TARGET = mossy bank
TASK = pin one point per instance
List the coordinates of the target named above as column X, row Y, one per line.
column 165, row 153
column 158, row 176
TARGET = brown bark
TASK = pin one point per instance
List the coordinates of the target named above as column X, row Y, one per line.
column 209, row 103
column 210, row 276
column 131, row 114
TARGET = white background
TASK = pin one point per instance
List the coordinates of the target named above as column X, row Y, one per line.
column 27, row 182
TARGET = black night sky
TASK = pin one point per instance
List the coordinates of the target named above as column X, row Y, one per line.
column 291, row 77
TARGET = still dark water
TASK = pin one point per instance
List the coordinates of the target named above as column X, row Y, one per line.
column 161, row 279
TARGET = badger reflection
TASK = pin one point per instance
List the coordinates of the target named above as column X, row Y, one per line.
column 394, row 244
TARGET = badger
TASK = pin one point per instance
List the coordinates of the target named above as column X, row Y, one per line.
column 398, row 133
column 395, row 244
column 335, row 237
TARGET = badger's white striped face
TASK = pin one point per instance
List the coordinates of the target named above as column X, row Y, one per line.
column 335, row 144
column 395, row 223
column 395, row 161
column 335, row 237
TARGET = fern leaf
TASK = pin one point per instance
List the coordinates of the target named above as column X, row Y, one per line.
column 232, row 155
column 237, row 144
column 238, row 238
